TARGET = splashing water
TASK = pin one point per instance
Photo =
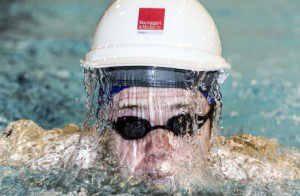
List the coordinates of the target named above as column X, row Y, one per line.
column 105, row 158
column 105, row 177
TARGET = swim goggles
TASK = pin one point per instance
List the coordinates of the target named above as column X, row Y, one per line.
column 133, row 128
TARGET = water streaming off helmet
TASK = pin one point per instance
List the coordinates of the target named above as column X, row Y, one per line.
column 159, row 157
column 41, row 45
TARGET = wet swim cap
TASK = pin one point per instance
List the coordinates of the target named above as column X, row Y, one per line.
column 159, row 77
column 141, row 76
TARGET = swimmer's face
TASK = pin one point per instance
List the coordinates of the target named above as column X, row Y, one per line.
column 156, row 153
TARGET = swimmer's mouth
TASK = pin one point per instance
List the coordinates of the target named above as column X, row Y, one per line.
column 156, row 158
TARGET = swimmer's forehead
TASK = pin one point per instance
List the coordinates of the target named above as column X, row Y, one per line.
column 143, row 96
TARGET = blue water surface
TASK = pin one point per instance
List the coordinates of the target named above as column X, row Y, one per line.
column 42, row 42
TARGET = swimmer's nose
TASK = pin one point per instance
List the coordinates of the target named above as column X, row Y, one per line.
column 157, row 142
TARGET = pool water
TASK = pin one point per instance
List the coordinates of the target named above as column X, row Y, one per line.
column 42, row 42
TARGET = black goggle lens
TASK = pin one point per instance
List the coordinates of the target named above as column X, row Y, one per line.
column 180, row 125
column 131, row 127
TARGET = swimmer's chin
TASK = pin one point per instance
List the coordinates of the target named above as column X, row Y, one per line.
column 155, row 177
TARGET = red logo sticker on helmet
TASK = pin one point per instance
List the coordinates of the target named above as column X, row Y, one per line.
column 151, row 19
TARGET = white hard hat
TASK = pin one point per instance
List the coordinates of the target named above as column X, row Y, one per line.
column 176, row 34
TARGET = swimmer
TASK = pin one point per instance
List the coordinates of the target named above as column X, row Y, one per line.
column 162, row 75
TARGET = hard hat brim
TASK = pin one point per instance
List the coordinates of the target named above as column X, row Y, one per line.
column 169, row 57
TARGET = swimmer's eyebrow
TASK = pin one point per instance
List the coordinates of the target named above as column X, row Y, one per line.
column 180, row 105
column 128, row 107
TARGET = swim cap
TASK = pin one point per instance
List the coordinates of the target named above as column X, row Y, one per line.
column 142, row 76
